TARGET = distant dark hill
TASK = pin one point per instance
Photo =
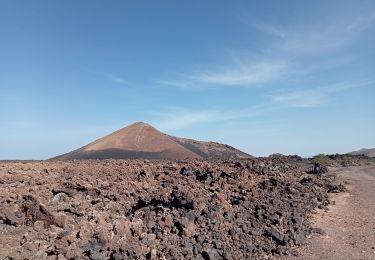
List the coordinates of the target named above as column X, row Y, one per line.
column 364, row 151
column 211, row 150
column 142, row 141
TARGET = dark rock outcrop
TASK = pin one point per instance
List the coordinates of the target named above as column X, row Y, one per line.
column 138, row 209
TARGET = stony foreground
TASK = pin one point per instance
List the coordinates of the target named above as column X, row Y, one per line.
column 349, row 224
column 157, row 209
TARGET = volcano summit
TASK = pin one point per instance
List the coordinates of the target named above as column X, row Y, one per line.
column 143, row 141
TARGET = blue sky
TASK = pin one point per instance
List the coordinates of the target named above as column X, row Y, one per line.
column 292, row 77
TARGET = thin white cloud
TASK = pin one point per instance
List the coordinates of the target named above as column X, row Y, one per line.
column 362, row 22
column 182, row 118
column 112, row 78
column 294, row 55
column 244, row 75
column 314, row 97
column 307, row 98
column 315, row 38
column 174, row 83
column 115, row 79
column 326, row 39
column 314, row 67
column 290, row 45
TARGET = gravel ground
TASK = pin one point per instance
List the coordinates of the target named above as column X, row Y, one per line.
column 349, row 225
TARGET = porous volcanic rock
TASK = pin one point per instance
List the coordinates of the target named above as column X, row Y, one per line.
column 139, row 209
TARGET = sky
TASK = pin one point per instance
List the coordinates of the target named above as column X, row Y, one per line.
column 291, row 77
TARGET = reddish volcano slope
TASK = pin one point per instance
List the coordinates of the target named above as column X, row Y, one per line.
column 138, row 140
column 141, row 140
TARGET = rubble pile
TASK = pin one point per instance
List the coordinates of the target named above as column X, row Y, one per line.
column 139, row 209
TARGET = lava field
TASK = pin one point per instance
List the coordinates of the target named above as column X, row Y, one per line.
column 138, row 209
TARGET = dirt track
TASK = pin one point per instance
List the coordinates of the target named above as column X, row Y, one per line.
column 349, row 225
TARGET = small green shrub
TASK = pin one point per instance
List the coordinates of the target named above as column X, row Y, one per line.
column 323, row 159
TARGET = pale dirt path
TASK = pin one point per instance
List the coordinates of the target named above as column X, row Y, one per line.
column 350, row 223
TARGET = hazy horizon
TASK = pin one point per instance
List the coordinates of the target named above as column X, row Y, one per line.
column 285, row 77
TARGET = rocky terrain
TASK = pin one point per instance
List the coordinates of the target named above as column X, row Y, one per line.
column 343, row 160
column 143, row 141
column 349, row 224
column 136, row 209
